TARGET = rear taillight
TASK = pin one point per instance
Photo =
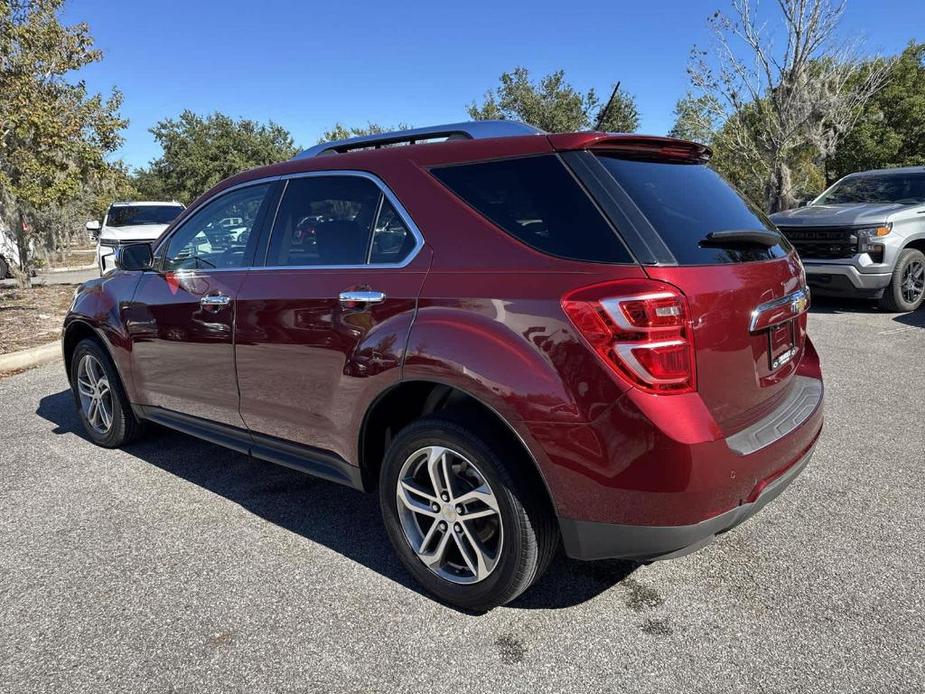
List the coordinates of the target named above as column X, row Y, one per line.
column 641, row 329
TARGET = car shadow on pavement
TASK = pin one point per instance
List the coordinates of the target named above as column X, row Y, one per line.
column 834, row 306
column 340, row 518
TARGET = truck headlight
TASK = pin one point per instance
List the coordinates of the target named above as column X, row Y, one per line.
column 867, row 240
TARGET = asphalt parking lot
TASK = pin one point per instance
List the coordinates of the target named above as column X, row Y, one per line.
column 179, row 566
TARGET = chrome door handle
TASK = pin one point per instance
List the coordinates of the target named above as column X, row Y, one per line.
column 215, row 300
column 365, row 297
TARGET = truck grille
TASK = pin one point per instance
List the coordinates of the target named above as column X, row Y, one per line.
column 823, row 243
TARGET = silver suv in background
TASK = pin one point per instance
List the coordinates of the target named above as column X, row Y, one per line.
column 130, row 222
column 865, row 237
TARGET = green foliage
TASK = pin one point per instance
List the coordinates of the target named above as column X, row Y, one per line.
column 696, row 118
column 342, row 132
column 553, row 104
column 198, row 152
column 891, row 131
column 54, row 135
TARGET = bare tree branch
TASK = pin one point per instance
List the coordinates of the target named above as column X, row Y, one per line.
column 776, row 102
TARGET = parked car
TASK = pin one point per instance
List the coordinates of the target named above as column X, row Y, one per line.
column 130, row 222
column 9, row 253
column 865, row 237
column 586, row 338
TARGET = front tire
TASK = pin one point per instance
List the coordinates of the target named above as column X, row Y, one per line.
column 907, row 286
column 466, row 523
column 103, row 407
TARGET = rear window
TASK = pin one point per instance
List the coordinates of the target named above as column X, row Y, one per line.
column 685, row 202
column 536, row 200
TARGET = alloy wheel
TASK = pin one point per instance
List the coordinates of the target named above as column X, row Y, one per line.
column 449, row 515
column 912, row 283
column 95, row 394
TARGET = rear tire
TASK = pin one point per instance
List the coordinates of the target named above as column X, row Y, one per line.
column 907, row 286
column 487, row 560
column 102, row 405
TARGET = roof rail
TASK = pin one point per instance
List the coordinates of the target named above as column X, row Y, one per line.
column 472, row 130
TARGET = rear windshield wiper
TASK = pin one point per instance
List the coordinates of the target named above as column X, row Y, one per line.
column 757, row 236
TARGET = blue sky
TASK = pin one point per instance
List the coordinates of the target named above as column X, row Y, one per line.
column 307, row 65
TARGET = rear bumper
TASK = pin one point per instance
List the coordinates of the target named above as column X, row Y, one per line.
column 588, row 540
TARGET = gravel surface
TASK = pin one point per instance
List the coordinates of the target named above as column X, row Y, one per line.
column 178, row 566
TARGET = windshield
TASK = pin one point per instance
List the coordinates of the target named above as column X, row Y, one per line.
column 132, row 215
column 906, row 189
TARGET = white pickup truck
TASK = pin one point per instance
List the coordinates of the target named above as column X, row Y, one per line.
column 130, row 222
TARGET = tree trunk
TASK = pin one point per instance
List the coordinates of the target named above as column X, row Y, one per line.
column 24, row 273
column 780, row 195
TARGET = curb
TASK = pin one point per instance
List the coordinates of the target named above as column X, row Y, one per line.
column 76, row 268
column 27, row 358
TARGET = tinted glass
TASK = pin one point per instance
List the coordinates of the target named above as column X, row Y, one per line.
column 685, row 202
column 216, row 236
column 324, row 220
column 392, row 240
column 536, row 200
column 893, row 188
column 130, row 215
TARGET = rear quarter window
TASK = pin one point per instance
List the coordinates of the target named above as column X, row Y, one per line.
column 537, row 201
column 685, row 202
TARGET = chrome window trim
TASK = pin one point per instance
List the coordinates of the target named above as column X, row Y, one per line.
column 389, row 195
column 384, row 189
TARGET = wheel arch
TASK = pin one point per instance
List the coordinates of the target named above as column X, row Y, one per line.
column 407, row 401
column 74, row 333
column 916, row 243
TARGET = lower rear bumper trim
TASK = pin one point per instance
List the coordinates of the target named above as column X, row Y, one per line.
column 588, row 540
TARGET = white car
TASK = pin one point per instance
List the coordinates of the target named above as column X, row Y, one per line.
column 9, row 252
column 130, row 222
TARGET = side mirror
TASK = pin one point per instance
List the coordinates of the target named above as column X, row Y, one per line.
column 93, row 225
column 134, row 256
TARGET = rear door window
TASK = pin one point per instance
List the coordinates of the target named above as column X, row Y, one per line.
column 536, row 200
column 685, row 202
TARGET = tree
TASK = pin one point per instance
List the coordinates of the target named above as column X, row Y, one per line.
column 695, row 118
column 198, row 152
column 891, row 129
column 54, row 136
column 807, row 93
column 341, row 132
column 553, row 104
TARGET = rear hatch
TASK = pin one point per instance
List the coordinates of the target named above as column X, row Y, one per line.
column 744, row 285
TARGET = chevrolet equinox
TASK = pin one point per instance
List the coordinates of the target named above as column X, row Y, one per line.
column 517, row 338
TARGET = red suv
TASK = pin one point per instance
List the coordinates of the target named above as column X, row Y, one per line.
column 515, row 337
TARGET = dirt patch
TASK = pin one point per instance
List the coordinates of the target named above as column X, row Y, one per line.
column 32, row 317
column 78, row 257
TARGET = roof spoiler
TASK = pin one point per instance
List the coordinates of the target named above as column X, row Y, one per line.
column 635, row 146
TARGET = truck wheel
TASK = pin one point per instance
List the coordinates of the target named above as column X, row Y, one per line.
column 907, row 286
column 464, row 523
